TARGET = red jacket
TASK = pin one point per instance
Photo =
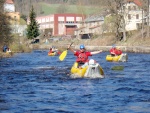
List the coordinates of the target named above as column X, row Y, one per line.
column 82, row 57
column 118, row 52
column 115, row 51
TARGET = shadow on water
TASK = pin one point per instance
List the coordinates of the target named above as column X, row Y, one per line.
column 36, row 82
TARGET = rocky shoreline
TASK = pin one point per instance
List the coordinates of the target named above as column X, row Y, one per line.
column 134, row 49
column 61, row 47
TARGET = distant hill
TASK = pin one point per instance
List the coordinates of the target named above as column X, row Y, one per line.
column 61, row 8
column 47, row 7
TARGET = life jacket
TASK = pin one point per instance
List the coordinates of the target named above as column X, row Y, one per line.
column 82, row 57
column 113, row 51
column 119, row 52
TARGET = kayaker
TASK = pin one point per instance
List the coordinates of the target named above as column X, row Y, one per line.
column 8, row 50
column 119, row 51
column 54, row 50
column 50, row 50
column 90, row 62
column 5, row 48
column 82, row 54
column 113, row 50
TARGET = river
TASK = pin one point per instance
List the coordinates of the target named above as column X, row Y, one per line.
column 37, row 83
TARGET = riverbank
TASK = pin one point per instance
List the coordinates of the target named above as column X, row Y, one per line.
column 136, row 45
column 134, row 49
column 5, row 55
column 131, row 45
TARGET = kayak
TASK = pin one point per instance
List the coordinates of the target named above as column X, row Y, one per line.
column 89, row 71
column 53, row 54
column 121, row 58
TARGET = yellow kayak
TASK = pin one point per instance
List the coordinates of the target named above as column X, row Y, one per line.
column 53, row 54
column 91, row 71
column 121, row 58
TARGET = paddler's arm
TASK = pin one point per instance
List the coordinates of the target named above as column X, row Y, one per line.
column 96, row 52
column 69, row 48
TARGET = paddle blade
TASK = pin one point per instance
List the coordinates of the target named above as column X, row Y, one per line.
column 63, row 55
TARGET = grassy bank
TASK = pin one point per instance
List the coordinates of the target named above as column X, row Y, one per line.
column 16, row 48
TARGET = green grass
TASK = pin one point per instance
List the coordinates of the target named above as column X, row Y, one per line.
column 52, row 9
column 49, row 9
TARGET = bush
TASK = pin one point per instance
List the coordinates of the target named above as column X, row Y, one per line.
column 16, row 47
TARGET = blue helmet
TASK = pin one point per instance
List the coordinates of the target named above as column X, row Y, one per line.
column 82, row 46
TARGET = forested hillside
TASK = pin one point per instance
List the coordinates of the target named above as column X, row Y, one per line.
column 45, row 7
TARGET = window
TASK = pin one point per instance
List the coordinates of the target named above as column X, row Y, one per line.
column 129, row 16
column 137, row 16
column 15, row 18
column 129, row 8
column 124, row 7
column 139, row 25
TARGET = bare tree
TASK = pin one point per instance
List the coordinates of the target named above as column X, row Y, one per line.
column 114, row 7
column 5, row 35
column 119, row 11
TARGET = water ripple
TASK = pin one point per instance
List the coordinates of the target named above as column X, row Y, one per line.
column 35, row 82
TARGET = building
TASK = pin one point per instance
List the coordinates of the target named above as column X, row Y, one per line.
column 92, row 25
column 60, row 24
column 133, row 15
column 9, row 9
column 14, row 18
column 9, row 6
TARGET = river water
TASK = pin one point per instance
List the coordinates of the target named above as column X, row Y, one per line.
column 38, row 83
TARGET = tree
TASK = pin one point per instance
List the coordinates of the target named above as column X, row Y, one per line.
column 115, row 9
column 33, row 27
column 5, row 35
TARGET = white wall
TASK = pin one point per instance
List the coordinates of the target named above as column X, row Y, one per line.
column 20, row 29
column 9, row 7
column 131, row 24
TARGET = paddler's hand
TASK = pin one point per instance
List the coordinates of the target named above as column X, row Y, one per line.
column 68, row 47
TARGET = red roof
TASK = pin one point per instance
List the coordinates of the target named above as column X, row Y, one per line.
column 9, row 1
column 137, row 2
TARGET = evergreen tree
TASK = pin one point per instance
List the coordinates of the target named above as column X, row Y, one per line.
column 33, row 27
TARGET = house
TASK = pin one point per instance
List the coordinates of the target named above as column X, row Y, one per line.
column 14, row 18
column 59, row 24
column 9, row 6
column 133, row 15
column 92, row 25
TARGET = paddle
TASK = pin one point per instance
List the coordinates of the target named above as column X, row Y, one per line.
column 64, row 53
